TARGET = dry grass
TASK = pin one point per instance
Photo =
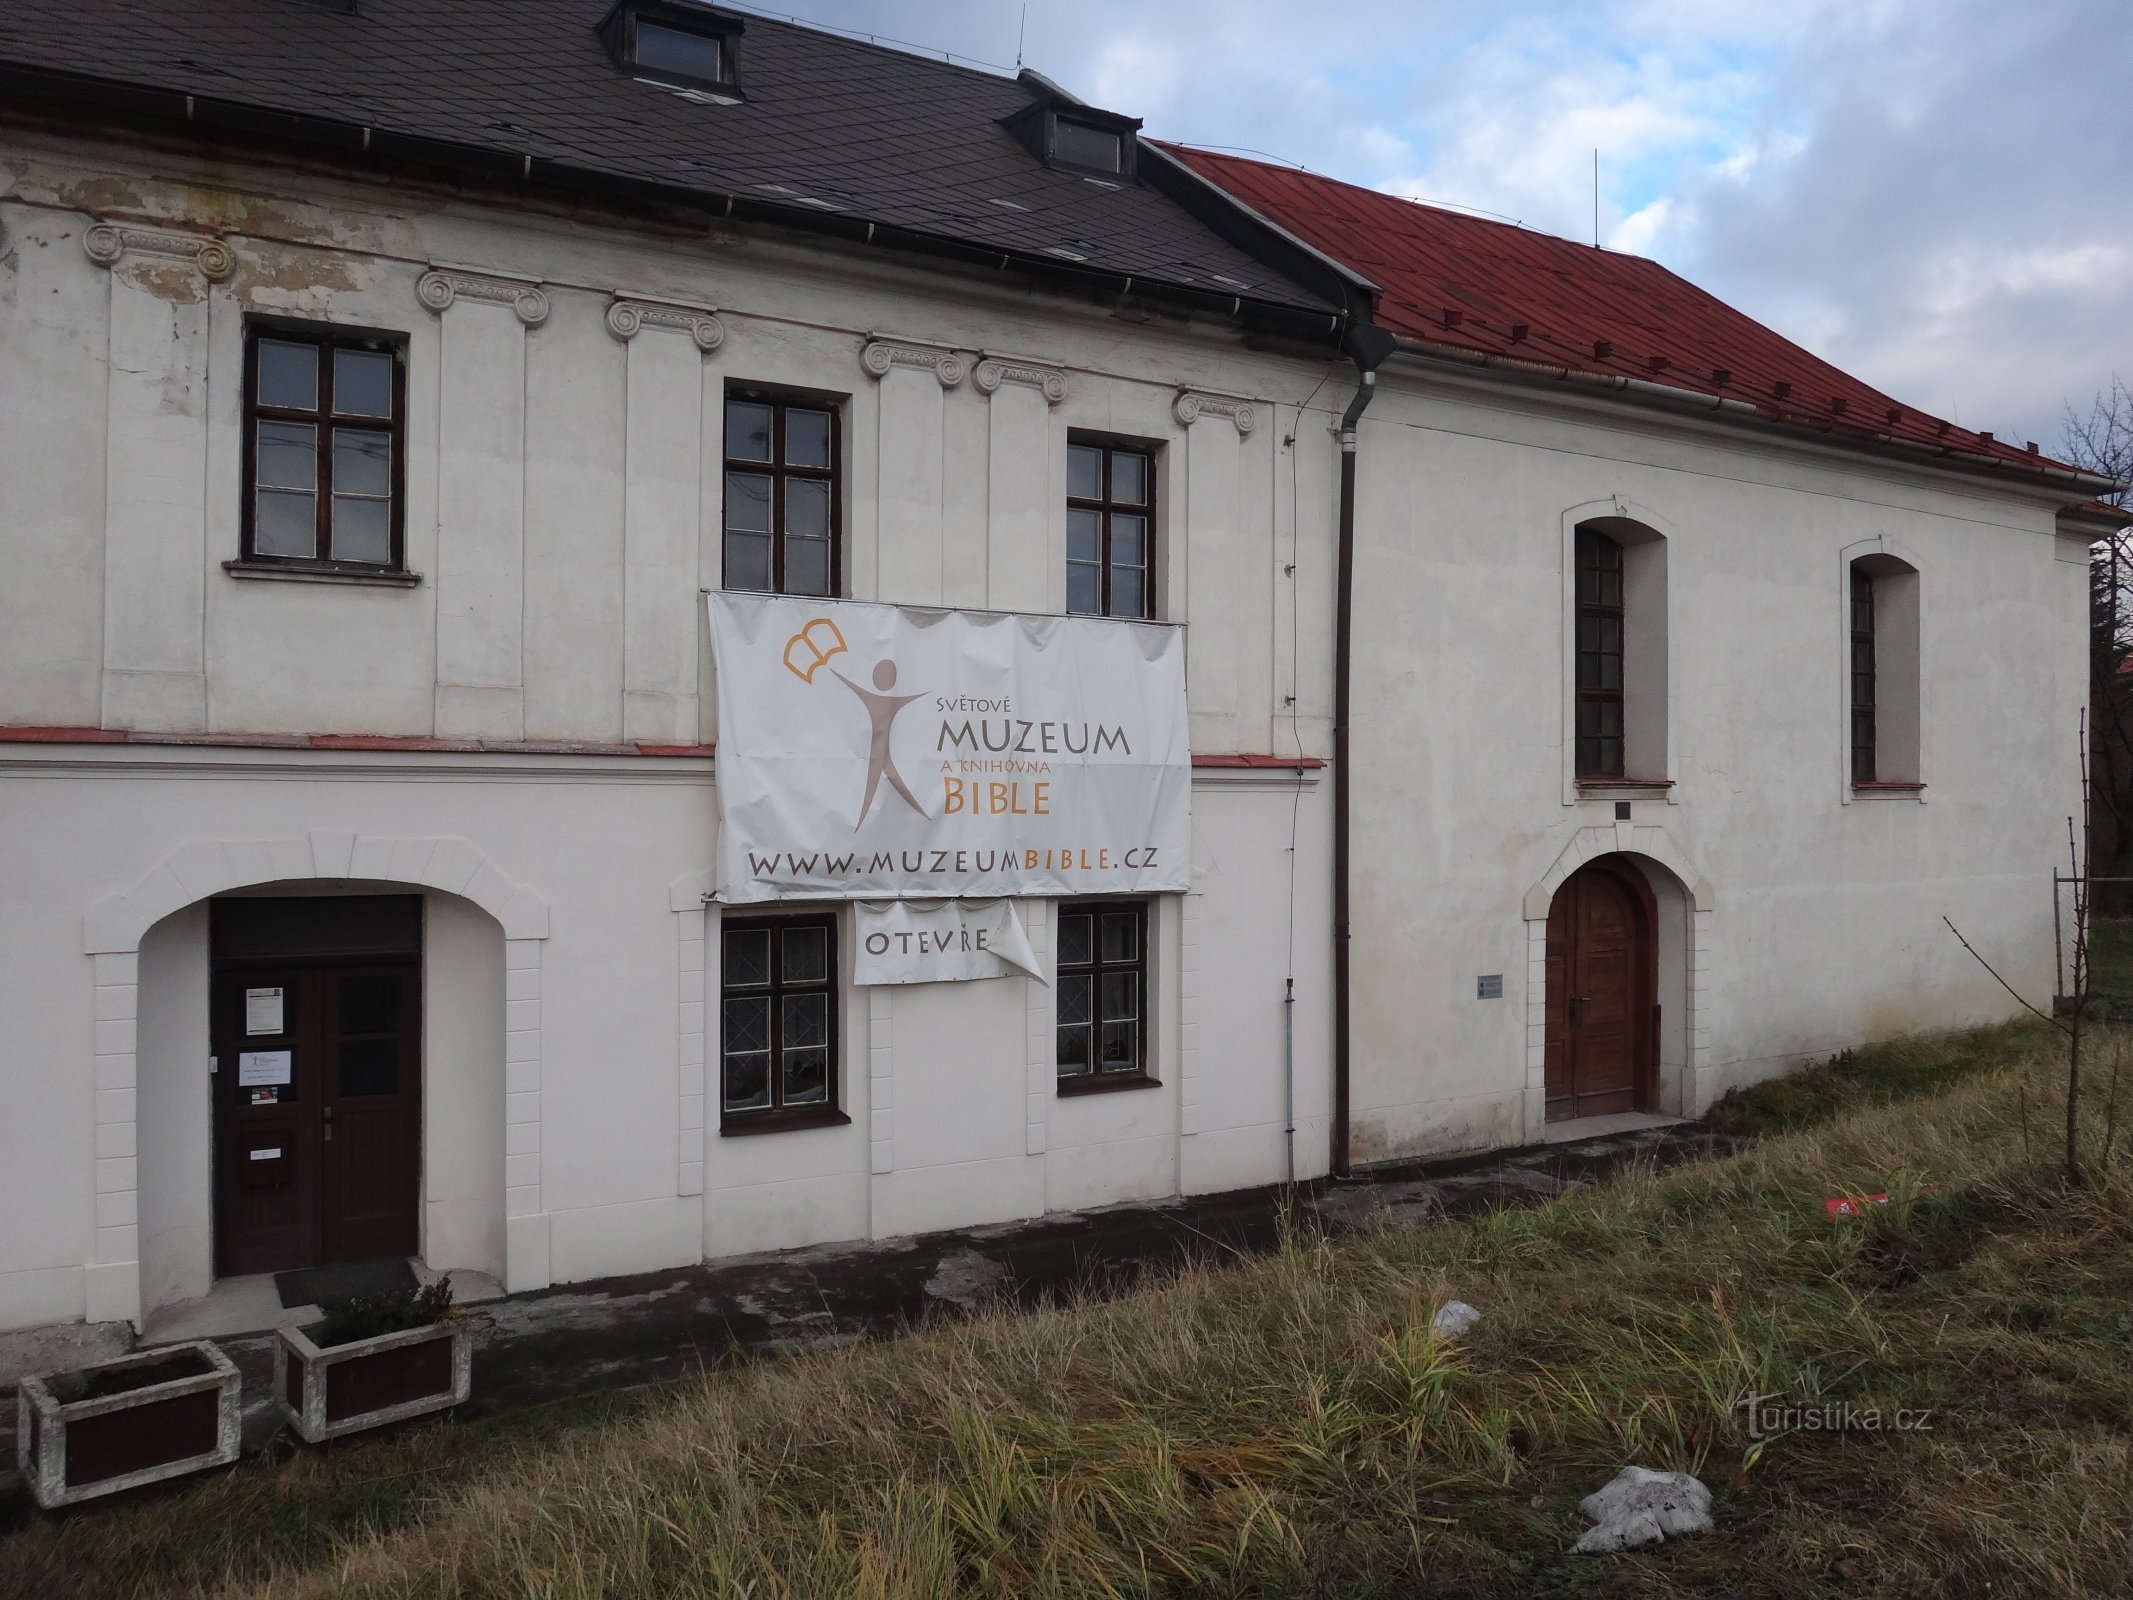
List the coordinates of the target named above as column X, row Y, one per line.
column 1290, row 1426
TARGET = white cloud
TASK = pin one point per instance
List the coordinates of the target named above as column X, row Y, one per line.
column 1649, row 229
column 1932, row 193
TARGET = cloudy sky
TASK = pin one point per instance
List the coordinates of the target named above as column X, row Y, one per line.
column 1934, row 194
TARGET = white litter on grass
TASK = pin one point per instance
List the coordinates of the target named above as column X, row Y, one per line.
column 1453, row 1318
column 965, row 1278
column 1643, row 1507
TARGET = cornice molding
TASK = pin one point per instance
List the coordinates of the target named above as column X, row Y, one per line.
column 1192, row 405
column 442, row 285
column 880, row 355
column 106, row 243
column 632, row 313
column 994, row 370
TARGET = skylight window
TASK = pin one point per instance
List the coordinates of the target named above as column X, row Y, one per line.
column 683, row 47
column 1082, row 144
column 676, row 53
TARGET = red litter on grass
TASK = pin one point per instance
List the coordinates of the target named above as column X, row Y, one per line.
column 1851, row 1205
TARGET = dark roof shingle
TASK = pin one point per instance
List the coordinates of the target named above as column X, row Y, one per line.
column 878, row 135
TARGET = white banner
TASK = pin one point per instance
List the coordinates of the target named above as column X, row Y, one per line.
column 873, row 751
column 944, row 941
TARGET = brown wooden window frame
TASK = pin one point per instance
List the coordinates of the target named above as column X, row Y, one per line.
column 778, row 1113
column 1093, row 1077
column 780, row 472
column 1864, row 732
column 327, row 423
column 1106, row 507
column 1599, row 578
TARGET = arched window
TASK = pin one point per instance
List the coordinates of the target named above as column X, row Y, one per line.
column 1883, row 672
column 1599, row 648
column 1615, row 715
column 1862, row 599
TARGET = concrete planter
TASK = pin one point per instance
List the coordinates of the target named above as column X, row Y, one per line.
column 367, row 1383
column 125, row 1423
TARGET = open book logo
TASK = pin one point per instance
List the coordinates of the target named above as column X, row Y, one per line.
column 813, row 645
column 807, row 653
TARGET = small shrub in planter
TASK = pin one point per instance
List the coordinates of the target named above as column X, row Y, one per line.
column 125, row 1423
column 374, row 1359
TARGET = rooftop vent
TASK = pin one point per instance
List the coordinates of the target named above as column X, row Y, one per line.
column 676, row 45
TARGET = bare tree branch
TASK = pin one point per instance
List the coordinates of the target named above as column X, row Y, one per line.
column 2002, row 982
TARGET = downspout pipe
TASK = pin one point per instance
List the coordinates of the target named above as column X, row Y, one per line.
column 1367, row 346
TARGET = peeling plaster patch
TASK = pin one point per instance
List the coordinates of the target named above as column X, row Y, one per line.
column 199, row 207
column 321, row 227
column 310, row 300
column 298, row 279
column 178, row 282
column 97, row 195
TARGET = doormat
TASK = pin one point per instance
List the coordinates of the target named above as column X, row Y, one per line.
column 312, row 1286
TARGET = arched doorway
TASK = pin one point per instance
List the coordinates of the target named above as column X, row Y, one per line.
column 480, row 1117
column 1602, row 983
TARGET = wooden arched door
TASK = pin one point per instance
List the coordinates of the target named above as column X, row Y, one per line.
column 1603, row 963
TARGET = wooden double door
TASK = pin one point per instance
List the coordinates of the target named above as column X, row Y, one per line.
column 1602, row 977
column 318, row 1088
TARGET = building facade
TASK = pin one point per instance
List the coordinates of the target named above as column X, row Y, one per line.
column 1698, row 688
column 357, row 718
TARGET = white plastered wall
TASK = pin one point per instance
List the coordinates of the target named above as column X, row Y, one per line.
column 950, row 1087
column 544, row 1090
column 563, row 508
column 466, row 1142
column 1828, row 928
column 175, row 1112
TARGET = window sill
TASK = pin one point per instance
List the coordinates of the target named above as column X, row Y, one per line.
column 1622, row 788
column 1070, row 1087
column 322, row 572
column 1887, row 791
column 739, row 1124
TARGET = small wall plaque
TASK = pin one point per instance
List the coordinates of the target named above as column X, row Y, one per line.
column 263, row 1011
column 1489, row 986
column 262, row 1068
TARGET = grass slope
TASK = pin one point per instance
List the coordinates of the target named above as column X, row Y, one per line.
column 1290, row 1426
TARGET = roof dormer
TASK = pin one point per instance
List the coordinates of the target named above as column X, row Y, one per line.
column 1077, row 138
column 677, row 45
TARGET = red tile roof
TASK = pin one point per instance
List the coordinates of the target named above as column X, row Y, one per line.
column 1466, row 284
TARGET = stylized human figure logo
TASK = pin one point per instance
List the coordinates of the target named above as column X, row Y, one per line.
column 812, row 644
